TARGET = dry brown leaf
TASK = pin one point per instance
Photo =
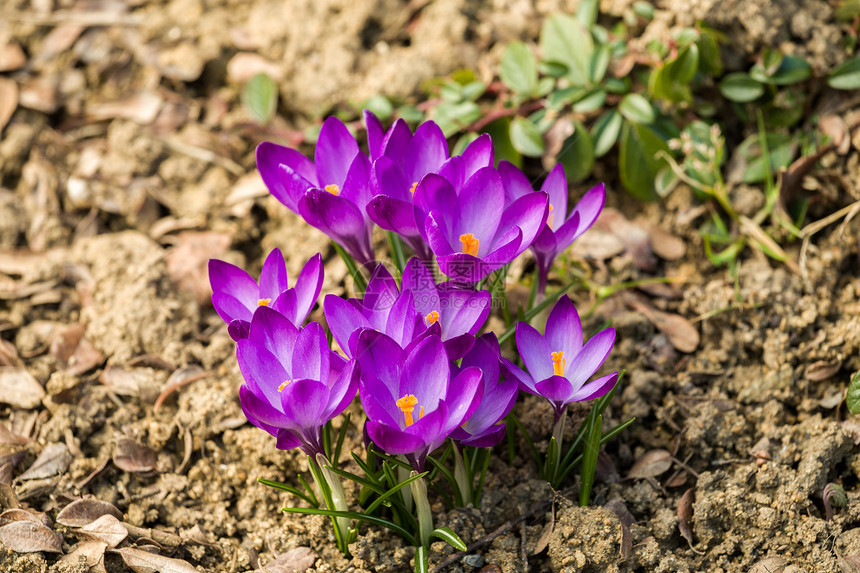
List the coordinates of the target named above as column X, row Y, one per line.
column 8, row 497
column 633, row 235
column 178, row 379
column 145, row 562
column 664, row 244
column 187, row 262
column 822, row 370
column 555, row 138
column 850, row 563
column 652, row 464
column 133, row 457
column 852, row 428
column 8, row 100
column 245, row 65
column 197, row 535
column 18, row 514
column 775, row 564
column 606, row 470
column 65, row 340
column 685, row 516
column 106, row 528
column 597, row 245
column 142, row 108
column 54, row 459
column 7, row 437
column 30, row 537
column 835, row 127
column 58, row 41
column 681, row 332
column 617, row 507
column 90, row 552
column 40, row 93
column 19, row 388
column 295, row 560
column 546, row 534
column 83, row 511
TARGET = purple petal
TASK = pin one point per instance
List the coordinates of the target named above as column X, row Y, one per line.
column 375, row 133
column 396, row 141
column 335, row 151
column 485, row 355
column 357, row 187
column 229, row 308
column 515, row 182
column 545, row 243
column 287, row 440
column 426, row 373
column 564, row 329
column 388, row 179
column 393, row 215
column 381, row 357
column 401, row 319
column 458, row 346
column 342, row 390
column 486, row 439
column 511, row 371
column 464, row 268
column 437, row 235
column 433, row 427
column 274, row 332
column 479, row 208
column 287, row 304
column 338, row 218
column 239, row 329
column 305, row 401
column 591, row 357
column 273, row 277
column 462, row 311
column 260, row 412
column 555, row 186
column 477, row 155
column 464, row 396
column 393, row 440
column 595, row 388
column 286, row 172
column 588, row 208
column 529, row 214
column 261, row 370
column 343, row 319
column 426, row 152
column 378, row 402
column 311, row 354
column 308, row 287
column 231, row 280
column 535, row 352
column 556, row 389
column 419, row 279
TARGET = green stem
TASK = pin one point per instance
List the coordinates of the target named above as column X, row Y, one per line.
column 338, row 498
column 422, row 507
column 461, row 475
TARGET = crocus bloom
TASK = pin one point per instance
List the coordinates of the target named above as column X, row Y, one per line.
column 330, row 193
column 482, row 429
column 562, row 228
column 401, row 161
column 473, row 234
column 236, row 295
column 411, row 400
column 460, row 311
column 383, row 308
column 558, row 364
column 292, row 384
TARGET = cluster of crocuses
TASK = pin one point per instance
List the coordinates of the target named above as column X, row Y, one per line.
column 413, row 349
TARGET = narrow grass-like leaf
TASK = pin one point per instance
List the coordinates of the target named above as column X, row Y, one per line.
column 589, row 461
column 289, row 489
column 422, row 560
column 360, row 283
column 451, row 538
column 403, row 533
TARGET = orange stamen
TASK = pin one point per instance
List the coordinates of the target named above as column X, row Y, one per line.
column 283, row 385
column 407, row 405
column 558, row 362
column 333, row 189
column 432, row 317
column 263, row 301
column 412, row 189
column 549, row 221
column 470, row 244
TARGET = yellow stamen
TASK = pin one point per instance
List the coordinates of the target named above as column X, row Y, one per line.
column 549, row 221
column 283, row 385
column 470, row 244
column 412, row 189
column 333, row 189
column 432, row 317
column 264, row 302
column 407, row 404
column 558, row 362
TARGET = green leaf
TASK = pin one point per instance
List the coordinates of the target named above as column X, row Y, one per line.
column 791, row 70
column 710, row 60
column 564, row 40
column 500, row 132
column 740, row 87
column 665, row 181
column 589, row 460
column 586, row 13
column 617, row 85
column 852, row 399
column 526, row 138
column 454, row 117
column 638, row 162
column 781, row 150
column 380, row 106
column 684, row 66
column 473, row 90
column 591, row 101
column 518, row 69
column 605, row 132
column 451, row 538
column 577, row 154
column 599, row 64
column 410, row 114
column 354, row 515
column 422, row 560
column 845, row 76
column 637, row 109
column 260, row 96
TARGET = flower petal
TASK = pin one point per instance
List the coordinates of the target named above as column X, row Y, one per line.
column 375, row 133
column 393, row 215
column 336, row 148
column 260, row 412
column 529, row 213
column 426, row 152
column 555, row 186
column 308, row 287
column 273, row 277
column 343, row 319
column 311, row 354
column 261, row 370
column 595, row 388
column 304, row 401
column 478, row 154
column 511, row 371
column 274, row 332
column 396, row 141
column 286, row 172
column 393, row 440
column 535, row 352
column 342, row 390
column 229, row 308
column 556, row 389
column 564, row 329
column 515, row 182
column 380, row 356
column 231, row 280
column 464, row 396
column 479, row 208
column 587, row 210
column 426, row 373
column 338, row 218
column 591, row 357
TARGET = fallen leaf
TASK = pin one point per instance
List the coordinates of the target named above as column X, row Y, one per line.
column 145, row 562
column 197, row 536
column 106, row 528
column 597, row 245
column 8, row 100
column 546, row 534
column 19, row 388
column 652, row 464
column 8, row 497
column 775, row 564
column 30, row 537
column 685, row 516
column 245, row 65
column 90, row 552
column 664, row 244
column 833, row 396
column 606, row 470
column 7, row 437
column 54, row 459
column 133, row 457
column 40, row 93
column 141, row 108
column 617, row 507
column 295, row 560
column 822, row 370
column 18, row 514
column 835, row 127
column 634, row 237
column 83, row 511
column 178, row 379
column 681, row 332
column 187, row 262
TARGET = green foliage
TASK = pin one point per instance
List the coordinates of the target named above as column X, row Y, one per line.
column 638, row 160
column 852, row 398
column 260, row 98
column 845, row 76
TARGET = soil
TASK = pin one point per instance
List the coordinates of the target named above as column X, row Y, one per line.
column 127, row 162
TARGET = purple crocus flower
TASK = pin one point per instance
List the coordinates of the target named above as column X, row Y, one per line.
column 401, row 161
column 558, row 364
column 331, row 193
column 384, row 308
column 482, row 429
column 562, row 228
column 411, row 400
column 458, row 310
column 293, row 386
column 236, row 295
column 473, row 234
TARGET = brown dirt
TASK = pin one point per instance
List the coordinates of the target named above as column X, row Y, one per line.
column 128, row 162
